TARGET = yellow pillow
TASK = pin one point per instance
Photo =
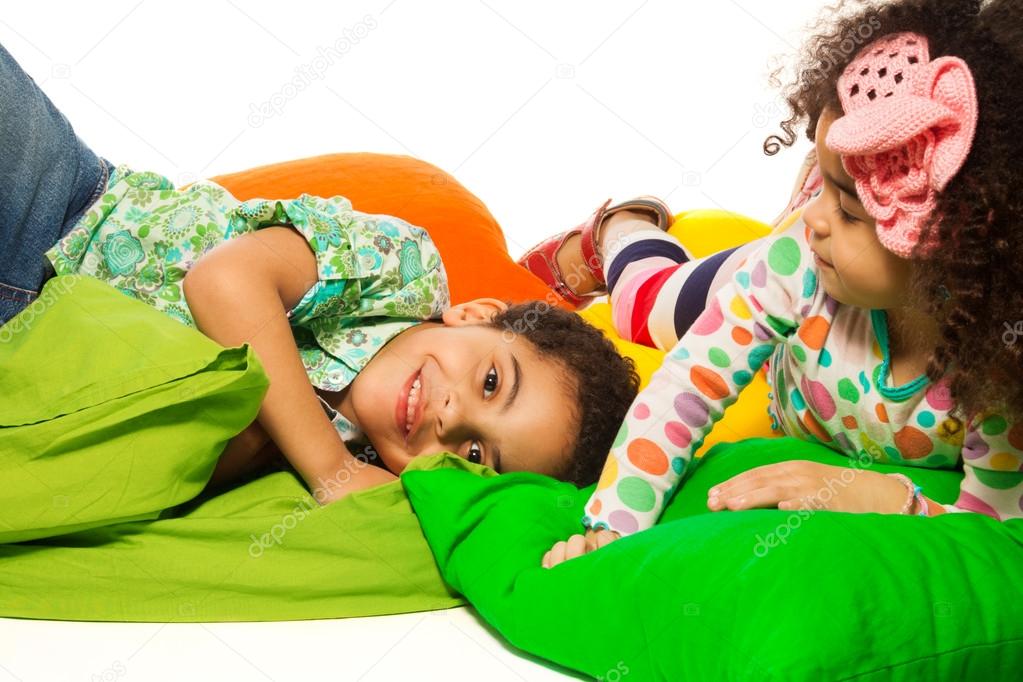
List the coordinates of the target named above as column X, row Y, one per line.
column 704, row 232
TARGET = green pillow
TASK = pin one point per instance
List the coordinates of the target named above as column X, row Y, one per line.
column 112, row 417
column 98, row 394
column 754, row 595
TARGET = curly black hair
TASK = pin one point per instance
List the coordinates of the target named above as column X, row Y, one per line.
column 979, row 210
column 603, row 382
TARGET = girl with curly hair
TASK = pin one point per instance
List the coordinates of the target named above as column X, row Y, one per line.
column 884, row 309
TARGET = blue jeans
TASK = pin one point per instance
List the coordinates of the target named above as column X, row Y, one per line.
column 48, row 179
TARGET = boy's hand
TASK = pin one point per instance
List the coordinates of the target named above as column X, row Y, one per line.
column 577, row 545
column 358, row 475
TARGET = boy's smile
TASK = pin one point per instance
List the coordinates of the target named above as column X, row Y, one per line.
column 462, row 386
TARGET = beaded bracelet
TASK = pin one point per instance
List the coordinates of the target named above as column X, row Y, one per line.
column 913, row 493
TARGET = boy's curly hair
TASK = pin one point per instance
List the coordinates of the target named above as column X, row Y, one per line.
column 977, row 213
column 604, row 382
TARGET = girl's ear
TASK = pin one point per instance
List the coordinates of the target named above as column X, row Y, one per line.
column 476, row 311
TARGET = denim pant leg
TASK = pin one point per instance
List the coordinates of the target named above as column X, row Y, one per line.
column 48, row 179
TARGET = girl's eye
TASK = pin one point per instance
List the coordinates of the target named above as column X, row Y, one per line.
column 492, row 374
column 475, row 453
column 845, row 215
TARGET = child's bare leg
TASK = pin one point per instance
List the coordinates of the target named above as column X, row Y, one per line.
column 613, row 236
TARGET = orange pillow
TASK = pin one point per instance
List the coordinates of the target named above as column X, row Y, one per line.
column 470, row 241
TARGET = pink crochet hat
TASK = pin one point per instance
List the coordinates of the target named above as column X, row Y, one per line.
column 907, row 129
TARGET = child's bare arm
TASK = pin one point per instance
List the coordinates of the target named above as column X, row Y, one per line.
column 239, row 292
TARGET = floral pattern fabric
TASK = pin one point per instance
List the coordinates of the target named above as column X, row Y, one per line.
column 377, row 275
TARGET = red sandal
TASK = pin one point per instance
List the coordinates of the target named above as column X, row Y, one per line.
column 542, row 260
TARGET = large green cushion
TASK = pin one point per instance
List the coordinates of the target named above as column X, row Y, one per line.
column 99, row 396
column 754, row 595
column 112, row 417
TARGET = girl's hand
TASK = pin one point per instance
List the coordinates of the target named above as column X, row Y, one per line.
column 801, row 484
column 577, row 545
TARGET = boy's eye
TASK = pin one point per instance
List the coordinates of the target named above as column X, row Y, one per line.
column 489, row 385
column 475, row 453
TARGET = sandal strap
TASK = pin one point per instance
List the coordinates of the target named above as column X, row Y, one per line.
column 546, row 268
column 590, row 234
column 591, row 228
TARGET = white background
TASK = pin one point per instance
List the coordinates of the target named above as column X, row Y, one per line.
column 542, row 109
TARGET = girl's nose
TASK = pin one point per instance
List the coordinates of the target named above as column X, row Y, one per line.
column 815, row 217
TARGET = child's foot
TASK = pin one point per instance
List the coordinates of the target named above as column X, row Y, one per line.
column 612, row 232
column 572, row 263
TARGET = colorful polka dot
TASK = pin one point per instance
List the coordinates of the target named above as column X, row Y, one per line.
column 691, row 409
column 609, row 474
column 925, row 419
column 824, row 358
column 809, row 282
column 939, row 396
column 680, row 353
column 709, row 321
column 708, row 382
column 742, row 377
column 783, row 256
column 844, row 442
column 678, row 434
column 760, row 274
column 974, row 446
column 741, row 336
column 1003, row 461
column 993, row 425
column 718, row 357
column 641, row 411
column 740, row 309
column 814, row 331
column 1016, row 435
column 623, row 433
column 678, row 465
column 912, row 442
column 797, row 400
column 758, row 355
column 882, row 413
column 818, row 396
column 864, row 383
column 647, row 456
column 596, row 507
column 798, row 352
column 636, row 493
column 742, row 277
column 998, row 479
column 623, row 521
column 815, row 428
column 847, row 391
column 849, row 422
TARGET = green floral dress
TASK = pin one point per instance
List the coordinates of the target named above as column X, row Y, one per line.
column 377, row 275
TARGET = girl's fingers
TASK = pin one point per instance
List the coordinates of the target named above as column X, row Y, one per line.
column 768, row 496
column 780, row 475
column 606, row 537
column 556, row 554
column 576, row 546
column 564, row 550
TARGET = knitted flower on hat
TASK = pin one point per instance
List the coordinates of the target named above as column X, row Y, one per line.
column 907, row 128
